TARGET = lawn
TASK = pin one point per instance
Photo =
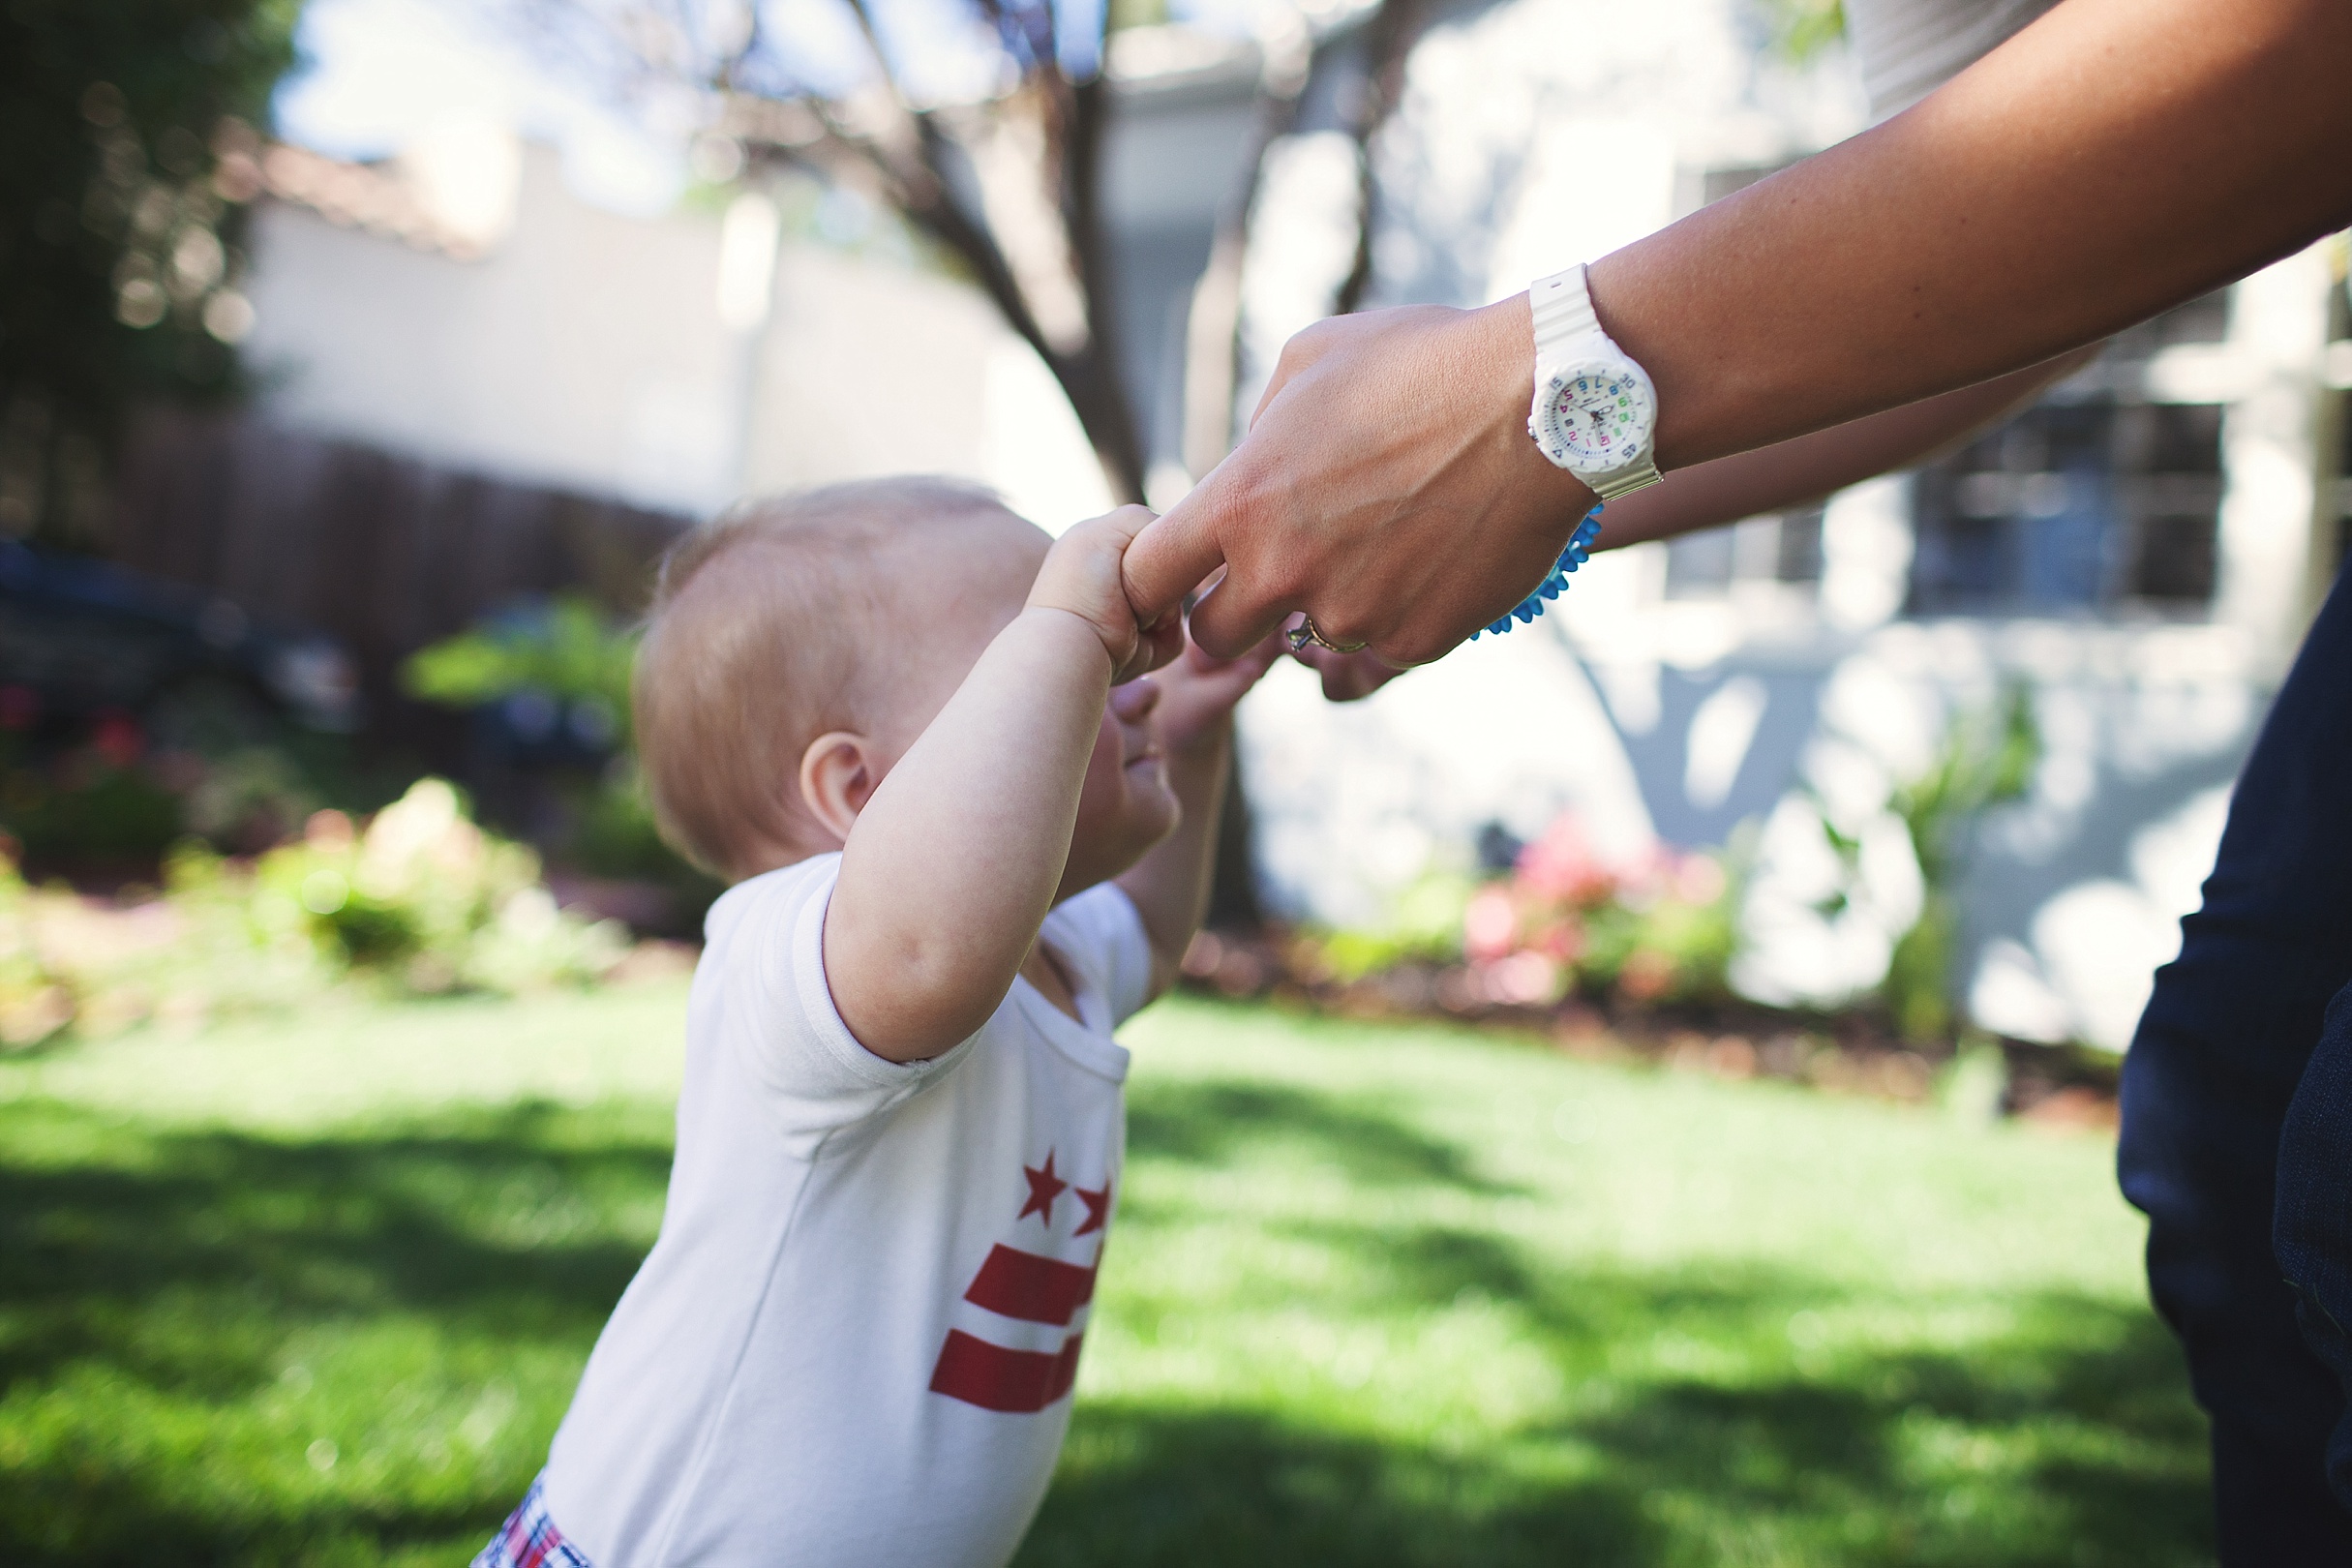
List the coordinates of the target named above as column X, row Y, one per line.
column 318, row 1293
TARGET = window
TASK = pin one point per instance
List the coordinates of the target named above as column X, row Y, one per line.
column 2094, row 500
column 1782, row 549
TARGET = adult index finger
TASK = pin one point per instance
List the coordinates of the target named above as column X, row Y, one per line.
column 1171, row 557
column 1231, row 620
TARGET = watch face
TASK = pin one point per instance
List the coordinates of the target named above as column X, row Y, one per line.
column 1598, row 415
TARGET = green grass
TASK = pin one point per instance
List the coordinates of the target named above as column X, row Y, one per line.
column 318, row 1294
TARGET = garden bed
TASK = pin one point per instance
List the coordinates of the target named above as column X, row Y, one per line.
column 1849, row 1052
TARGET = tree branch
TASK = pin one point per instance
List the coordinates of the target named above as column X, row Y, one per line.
column 1212, row 354
column 1388, row 39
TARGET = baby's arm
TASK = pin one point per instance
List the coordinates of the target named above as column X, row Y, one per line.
column 954, row 862
column 1170, row 885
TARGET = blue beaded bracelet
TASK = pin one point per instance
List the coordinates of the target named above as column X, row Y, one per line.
column 1580, row 546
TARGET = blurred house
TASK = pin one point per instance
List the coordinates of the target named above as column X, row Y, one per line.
column 477, row 386
column 462, row 304
column 2143, row 549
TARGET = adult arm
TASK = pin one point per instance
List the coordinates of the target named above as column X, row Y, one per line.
column 1808, row 468
column 2114, row 158
column 1787, row 474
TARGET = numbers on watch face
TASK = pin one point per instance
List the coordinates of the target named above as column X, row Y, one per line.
column 1599, row 417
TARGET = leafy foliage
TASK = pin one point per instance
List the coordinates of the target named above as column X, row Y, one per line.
column 1648, row 926
column 1987, row 758
column 421, row 901
column 126, row 154
column 427, row 896
column 1800, row 29
column 569, row 657
column 567, row 650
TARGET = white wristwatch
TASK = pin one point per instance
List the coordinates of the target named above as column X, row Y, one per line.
column 1595, row 413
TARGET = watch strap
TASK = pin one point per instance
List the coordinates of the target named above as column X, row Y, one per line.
column 1562, row 307
column 1626, row 480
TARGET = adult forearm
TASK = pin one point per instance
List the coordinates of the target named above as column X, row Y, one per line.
column 2112, row 159
column 1810, row 467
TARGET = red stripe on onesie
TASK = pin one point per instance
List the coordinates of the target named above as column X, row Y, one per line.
column 1014, row 1284
column 1017, row 1382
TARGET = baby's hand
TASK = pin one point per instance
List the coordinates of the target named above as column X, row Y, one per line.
column 1197, row 690
column 1081, row 576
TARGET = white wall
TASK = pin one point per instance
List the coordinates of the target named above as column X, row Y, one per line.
column 585, row 350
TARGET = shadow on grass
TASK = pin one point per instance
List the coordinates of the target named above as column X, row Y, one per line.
column 1145, row 1486
column 1361, row 1136
column 177, row 1265
column 491, row 1216
column 151, row 1283
column 2027, row 1452
column 1725, row 1411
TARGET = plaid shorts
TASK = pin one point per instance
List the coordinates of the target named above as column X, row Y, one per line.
column 530, row 1539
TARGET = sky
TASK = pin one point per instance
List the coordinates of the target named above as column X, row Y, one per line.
column 377, row 74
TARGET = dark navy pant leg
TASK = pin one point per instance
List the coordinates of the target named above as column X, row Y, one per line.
column 2218, row 1056
column 2314, row 1232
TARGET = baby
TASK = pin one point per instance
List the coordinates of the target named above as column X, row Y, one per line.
column 962, row 852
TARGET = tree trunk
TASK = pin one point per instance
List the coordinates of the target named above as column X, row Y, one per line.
column 1091, row 378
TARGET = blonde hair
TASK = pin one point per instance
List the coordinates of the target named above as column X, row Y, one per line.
column 741, row 668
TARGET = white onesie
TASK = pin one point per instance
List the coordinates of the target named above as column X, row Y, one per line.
column 853, row 1340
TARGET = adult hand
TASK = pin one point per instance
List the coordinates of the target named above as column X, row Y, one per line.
column 1387, row 487
column 1347, row 677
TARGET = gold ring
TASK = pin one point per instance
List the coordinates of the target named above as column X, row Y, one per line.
column 1305, row 632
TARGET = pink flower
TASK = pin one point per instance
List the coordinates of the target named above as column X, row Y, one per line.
column 118, row 739
column 1489, row 924
column 1700, row 880
column 1562, row 866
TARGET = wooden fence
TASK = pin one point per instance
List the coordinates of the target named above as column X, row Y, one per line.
column 387, row 553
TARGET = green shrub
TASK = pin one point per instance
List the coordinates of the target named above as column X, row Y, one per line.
column 575, row 655
column 566, row 649
column 421, row 901
column 424, row 895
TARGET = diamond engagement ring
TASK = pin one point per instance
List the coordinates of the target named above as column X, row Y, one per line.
column 1305, row 632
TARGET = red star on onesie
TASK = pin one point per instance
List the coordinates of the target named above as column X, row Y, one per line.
column 1098, row 1209
column 1043, row 1187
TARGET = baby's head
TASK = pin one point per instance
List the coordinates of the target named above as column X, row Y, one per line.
column 797, row 648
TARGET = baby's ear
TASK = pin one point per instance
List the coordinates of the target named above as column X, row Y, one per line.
column 838, row 774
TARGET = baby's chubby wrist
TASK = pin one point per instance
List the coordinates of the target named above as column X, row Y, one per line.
column 1064, row 624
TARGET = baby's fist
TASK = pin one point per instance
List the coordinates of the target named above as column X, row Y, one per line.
column 1081, row 576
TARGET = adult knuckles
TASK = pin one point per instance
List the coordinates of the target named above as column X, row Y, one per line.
column 1409, row 646
column 1308, row 344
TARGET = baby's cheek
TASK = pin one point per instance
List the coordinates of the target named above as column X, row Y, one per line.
column 1104, row 783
